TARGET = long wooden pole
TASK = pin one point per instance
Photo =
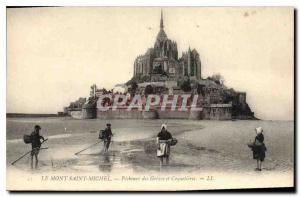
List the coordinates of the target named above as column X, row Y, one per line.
column 87, row 148
column 26, row 154
column 29, row 152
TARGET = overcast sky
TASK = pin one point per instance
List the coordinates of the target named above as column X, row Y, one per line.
column 55, row 54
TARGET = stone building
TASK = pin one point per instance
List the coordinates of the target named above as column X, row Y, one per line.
column 161, row 71
column 162, row 63
column 217, row 112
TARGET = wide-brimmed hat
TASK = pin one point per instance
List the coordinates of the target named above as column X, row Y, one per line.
column 259, row 130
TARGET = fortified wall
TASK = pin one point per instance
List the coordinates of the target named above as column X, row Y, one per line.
column 162, row 71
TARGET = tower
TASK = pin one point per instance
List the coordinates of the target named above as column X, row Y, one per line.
column 161, row 20
column 161, row 36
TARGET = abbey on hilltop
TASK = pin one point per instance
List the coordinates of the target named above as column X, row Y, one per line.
column 162, row 62
column 161, row 71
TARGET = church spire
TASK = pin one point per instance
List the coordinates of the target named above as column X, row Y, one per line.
column 161, row 20
column 161, row 34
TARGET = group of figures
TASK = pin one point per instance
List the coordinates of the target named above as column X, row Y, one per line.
column 164, row 141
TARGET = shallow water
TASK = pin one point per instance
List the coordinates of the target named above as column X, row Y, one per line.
column 202, row 145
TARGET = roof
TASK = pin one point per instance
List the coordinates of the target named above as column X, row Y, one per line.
column 156, row 84
column 161, row 35
column 221, row 105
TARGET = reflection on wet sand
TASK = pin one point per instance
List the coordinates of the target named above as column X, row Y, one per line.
column 106, row 162
column 198, row 150
column 140, row 156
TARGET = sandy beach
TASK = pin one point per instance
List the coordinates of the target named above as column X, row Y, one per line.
column 205, row 148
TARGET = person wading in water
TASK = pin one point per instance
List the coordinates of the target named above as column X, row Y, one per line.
column 36, row 144
column 107, row 134
column 164, row 139
column 259, row 148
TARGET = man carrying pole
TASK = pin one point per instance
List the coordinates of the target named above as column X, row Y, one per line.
column 36, row 144
column 106, row 136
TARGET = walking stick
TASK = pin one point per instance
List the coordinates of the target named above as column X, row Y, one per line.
column 87, row 148
column 29, row 152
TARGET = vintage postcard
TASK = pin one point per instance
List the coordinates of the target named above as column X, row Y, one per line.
column 150, row 98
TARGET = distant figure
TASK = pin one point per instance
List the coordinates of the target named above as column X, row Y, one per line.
column 35, row 144
column 164, row 139
column 107, row 134
column 258, row 147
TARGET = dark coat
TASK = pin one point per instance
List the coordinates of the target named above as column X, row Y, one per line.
column 107, row 134
column 259, row 148
column 164, row 135
column 36, row 140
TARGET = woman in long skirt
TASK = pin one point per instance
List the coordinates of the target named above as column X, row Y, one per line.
column 259, row 148
column 163, row 144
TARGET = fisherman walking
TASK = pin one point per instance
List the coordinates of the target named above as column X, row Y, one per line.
column 106, row 135
column 164, row 140
column 36, row 144
column 258, row 147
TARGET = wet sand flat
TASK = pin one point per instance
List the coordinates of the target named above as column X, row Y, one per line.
column 204, row 147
